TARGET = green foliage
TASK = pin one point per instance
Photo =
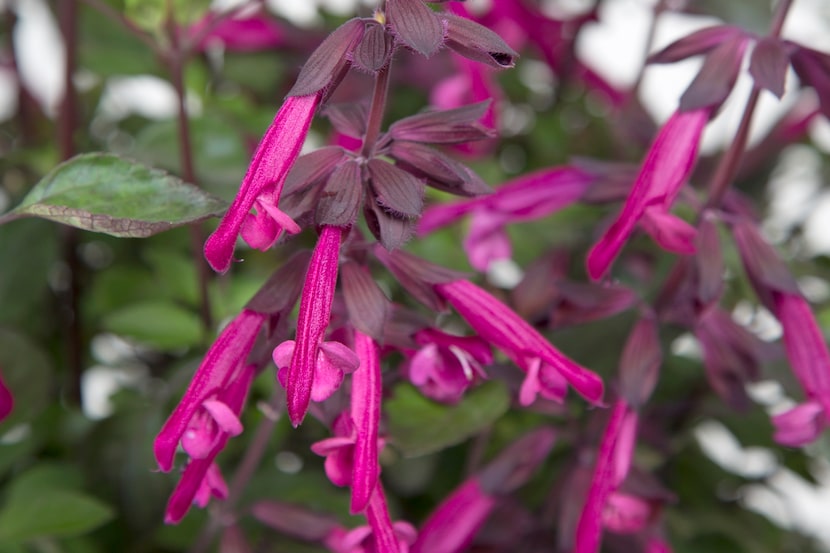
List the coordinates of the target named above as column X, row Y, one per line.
column 109, row 194
column 418, row 425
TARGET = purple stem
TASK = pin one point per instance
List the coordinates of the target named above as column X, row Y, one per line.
column 730, row 162
column 376, row 111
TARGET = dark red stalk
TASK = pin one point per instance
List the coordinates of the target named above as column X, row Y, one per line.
column 730, row 161
column 67, row 125
column 376, row 111
column 176, row 60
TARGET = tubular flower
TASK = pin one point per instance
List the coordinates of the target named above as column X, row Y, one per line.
column 6, row 400
column 803, row 339
column 262, row 185
column 810, row 360
column 666, row 167
column 311, row 368
column 446, row 365
column 547, row 369
column 204, row 438
column 604, row 505
column 203, row 414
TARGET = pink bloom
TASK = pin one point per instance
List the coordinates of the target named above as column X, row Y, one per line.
column 244, row 34
column 546, row 367
column 380, row 536
column 311, row 368
column 810, row 360
column 666, row 167
column 454, row 524
column 352, row 454
column 604, row 506
column 446, row 365
column 205, row 437
column 203, row 416
column 6, row 401
column 526, row 198
column 262, row 185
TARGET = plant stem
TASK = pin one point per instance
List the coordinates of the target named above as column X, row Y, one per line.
column 176, row 60
column 730, row 162
column 67, row 125
column 246, row 469
column 376, row 111
column 111, row 13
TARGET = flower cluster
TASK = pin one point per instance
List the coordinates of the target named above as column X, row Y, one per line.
column 334, row 360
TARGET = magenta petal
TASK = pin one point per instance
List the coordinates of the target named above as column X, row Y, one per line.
column 386, row 538
column 283, row 353
column 671, row 233
column 626, row 514
column 312, row 322
column 589, row 528
column 455, row 522
column 486, row 240
column 214, row 374
column 224, row 417
column 367, row 392
column 6, row 400
column 665, row 169
column 274, row 157
column 501, row 326
column 327, row 378
column 800, row 425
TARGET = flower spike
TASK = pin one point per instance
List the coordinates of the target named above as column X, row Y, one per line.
column 263, row 183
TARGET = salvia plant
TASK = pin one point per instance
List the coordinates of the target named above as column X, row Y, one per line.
column 372, row 351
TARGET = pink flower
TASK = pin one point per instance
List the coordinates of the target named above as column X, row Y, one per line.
column 803, row 339
column 446, row 365
column 380, row 536
column 204, row 415
column 243, row 34
column 6, row 400
column 526, row 198
column 262, row 185
column 604, row 506
column 454, row 524
column 352, row 454
column 810, row 360
column 311, row 368
column 204, row 438
column 547, row 368
column 664, row 171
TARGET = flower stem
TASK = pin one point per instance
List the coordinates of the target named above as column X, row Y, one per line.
column 176, row 60
column 376, row 111
column 730, row 162
column 67, row 126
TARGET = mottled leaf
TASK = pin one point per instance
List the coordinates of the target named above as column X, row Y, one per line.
column 108, row 194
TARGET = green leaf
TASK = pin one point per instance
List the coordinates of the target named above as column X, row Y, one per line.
column 24, row 284
column 46, row 501
column 50, row 513
column 156, row 323
column 109, row 194
column 28, row 374
column 418, row 425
